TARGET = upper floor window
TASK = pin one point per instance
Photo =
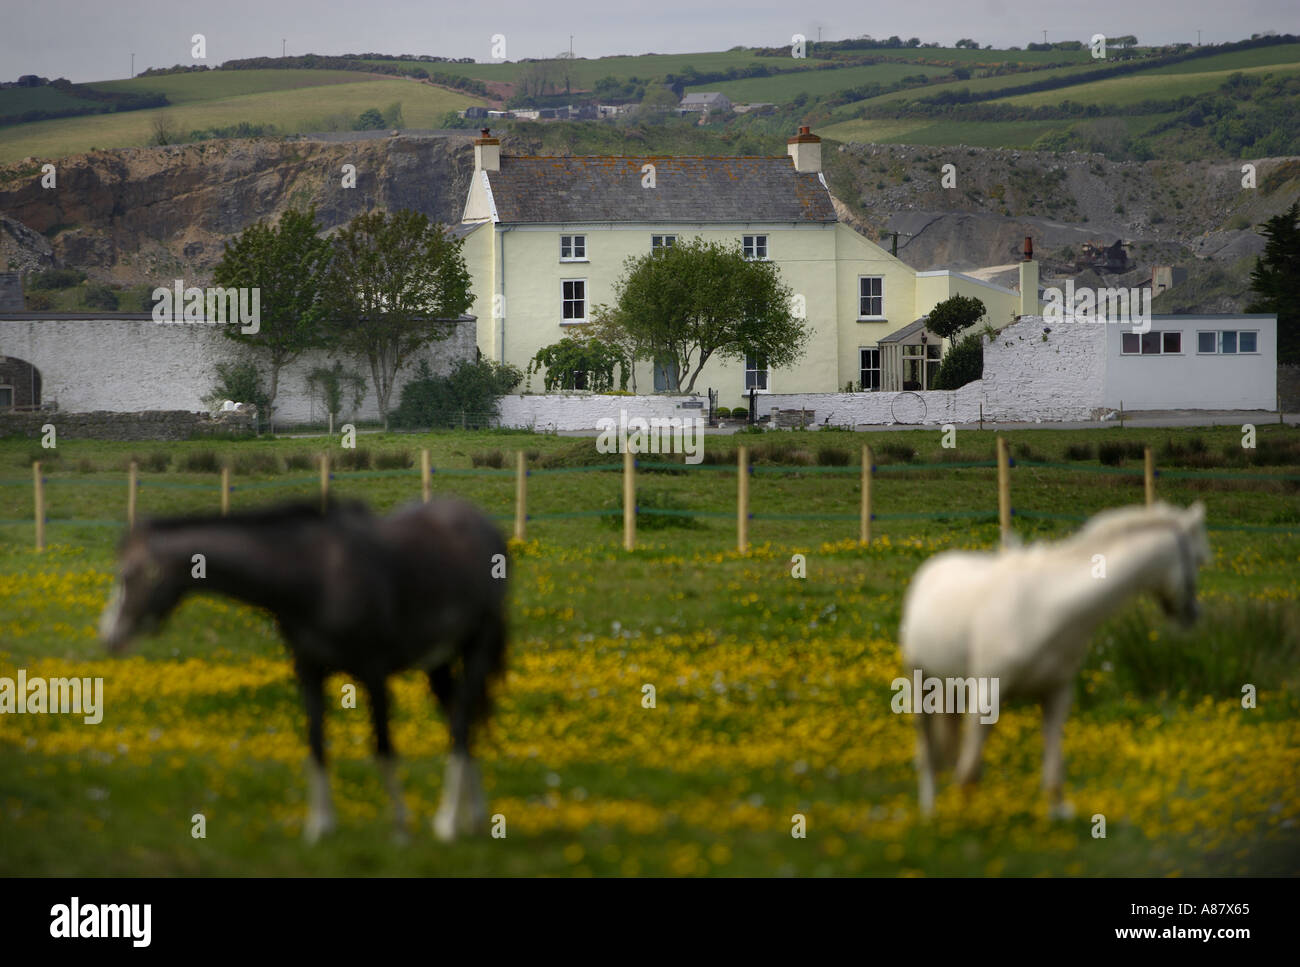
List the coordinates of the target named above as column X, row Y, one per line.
column 755, row 246
column 666, row 376
column 662, row 241
column 871, row 297
column 1152, row 343
column 573, row 248
column 573, row 297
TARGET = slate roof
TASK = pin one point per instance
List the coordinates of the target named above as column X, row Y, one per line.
column 607, row 189
column 462, row 229
column 907, row 332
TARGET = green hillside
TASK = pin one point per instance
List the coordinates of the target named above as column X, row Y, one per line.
column 298, row 106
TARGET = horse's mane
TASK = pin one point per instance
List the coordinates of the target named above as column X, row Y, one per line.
column 1111, row 524
column 287, row 513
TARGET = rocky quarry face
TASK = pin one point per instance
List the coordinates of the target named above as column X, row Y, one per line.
column 137, row 215
column 149, row 215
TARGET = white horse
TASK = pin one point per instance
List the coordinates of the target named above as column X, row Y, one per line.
column 1024, row 617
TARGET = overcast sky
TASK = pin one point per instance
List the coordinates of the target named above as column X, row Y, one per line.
column 88, row 40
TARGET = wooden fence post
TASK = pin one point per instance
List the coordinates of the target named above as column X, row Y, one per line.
column 521, row 494
column 132, row 472
column 225, row 490
column 629, row 500
column 1004, row 490
column 1149, row 475
column 742, row 499
column 39, row 496
column 324, row 481
column 426, row 481
column 864, row 530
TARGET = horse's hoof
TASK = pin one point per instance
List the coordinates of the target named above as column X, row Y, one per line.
column 316, row 828
column 444, row 826
column 1062, row 810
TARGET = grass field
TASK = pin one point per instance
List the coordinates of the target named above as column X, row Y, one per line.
column 1133, row 88
column 782, row 87
column 293, row 109
column 772, row 692
column 980, row 134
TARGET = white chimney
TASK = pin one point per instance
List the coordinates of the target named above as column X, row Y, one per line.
column 806, row 150
column 487, row 152
column 1029, row 281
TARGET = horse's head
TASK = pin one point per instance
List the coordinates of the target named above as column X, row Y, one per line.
column 1177, row 593
column 142, row 595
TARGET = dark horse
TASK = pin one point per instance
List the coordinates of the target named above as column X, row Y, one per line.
column 370, row 596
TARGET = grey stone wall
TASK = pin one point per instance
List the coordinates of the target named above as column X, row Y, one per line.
column 146, row 425
column 128, row 363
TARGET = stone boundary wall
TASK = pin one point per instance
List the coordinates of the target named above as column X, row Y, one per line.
column 165, row 425
column 128, row 363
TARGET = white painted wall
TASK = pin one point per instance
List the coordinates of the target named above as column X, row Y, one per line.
column 1031, row 375
column 858, row 409
column 584, row 411
column 1190, row 380
column 124, row 364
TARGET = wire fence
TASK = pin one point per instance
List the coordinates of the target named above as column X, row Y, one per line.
column 865, row 515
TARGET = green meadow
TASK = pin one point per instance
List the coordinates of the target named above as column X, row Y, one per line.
column 298, row 107
column 772, row 692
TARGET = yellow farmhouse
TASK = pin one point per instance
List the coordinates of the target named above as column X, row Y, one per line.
column 545, row 239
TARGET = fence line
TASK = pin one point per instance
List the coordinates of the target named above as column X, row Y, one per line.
column 629, row 509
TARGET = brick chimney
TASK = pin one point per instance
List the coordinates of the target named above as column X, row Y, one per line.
column 1029, row 281
column 806, row 150
column 487, row 152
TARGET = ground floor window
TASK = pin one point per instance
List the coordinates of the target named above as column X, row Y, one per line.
column 1227, row 342
column 756, row 372
column 666, row 376
column 1153, row 343
column 869, row 369
column 6, row 397
column 920, row 366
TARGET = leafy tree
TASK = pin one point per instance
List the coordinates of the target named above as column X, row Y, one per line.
column 394, row 282
column 1276, row 280
column 954, row 314
column 471, row 389
column 370, row 120
column 697, row 299
column 963, row 364
column 287, row 264
column 657, row 102
column 577, row 363
column 606, row 326
column 332, row 384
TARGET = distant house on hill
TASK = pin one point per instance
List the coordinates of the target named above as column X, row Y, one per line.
column 712, row 101
column 545, row 239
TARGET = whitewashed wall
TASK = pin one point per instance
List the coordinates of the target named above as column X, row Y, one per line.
column 584, row 411
column 129, row 364
column 858, row 409
column 1033, row 375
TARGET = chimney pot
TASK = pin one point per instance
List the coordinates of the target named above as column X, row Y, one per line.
column 1029, row 248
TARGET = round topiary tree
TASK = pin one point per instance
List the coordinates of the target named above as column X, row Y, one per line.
column 954, row 314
